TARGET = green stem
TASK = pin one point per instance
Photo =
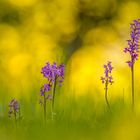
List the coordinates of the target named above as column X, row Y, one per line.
column 15, row 115
column 44, row 109
column 19, row 115
column 106, row 91
column 53, row 95
column 132, row 74
column 123, row 96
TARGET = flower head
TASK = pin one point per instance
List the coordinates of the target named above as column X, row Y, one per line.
column 45, row 88
column 133, row 42
column 53, row 73
column 14, row 107
column 107, row 78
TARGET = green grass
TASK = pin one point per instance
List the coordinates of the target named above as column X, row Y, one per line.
column 76, row 119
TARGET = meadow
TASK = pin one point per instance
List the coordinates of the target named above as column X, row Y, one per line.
column 98, row 43
column 75, row 119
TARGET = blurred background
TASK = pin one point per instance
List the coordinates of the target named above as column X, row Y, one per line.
column 82, row 34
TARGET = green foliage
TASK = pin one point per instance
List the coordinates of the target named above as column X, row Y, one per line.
column 75, row 119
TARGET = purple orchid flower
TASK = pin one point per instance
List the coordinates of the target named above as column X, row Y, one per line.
column 133, row 50
column 107, row 79
column 55, row 75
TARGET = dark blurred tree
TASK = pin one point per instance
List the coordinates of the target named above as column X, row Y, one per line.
column 88, row 17
column 9, row 14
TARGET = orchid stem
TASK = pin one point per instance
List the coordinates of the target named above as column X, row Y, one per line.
column 15, row 117
column 53, row 97
column 133, row 102
column 45, row 109
column 19, row 115
column 107, row 102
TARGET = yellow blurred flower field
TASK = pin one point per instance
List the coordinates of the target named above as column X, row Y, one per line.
column 83, row 35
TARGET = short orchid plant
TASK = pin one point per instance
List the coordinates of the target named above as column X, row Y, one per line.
column 55, row 75
column 14, row 109
column 107, row 79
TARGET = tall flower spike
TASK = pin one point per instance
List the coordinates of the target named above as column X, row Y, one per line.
column 55, row 75
column 133, row 42
column 133, row 49
column 107, row 79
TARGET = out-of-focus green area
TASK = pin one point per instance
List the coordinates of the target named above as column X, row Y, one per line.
column 82, row 34
column 75, row 119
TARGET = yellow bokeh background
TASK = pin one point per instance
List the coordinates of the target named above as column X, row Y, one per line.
column 82, row 34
